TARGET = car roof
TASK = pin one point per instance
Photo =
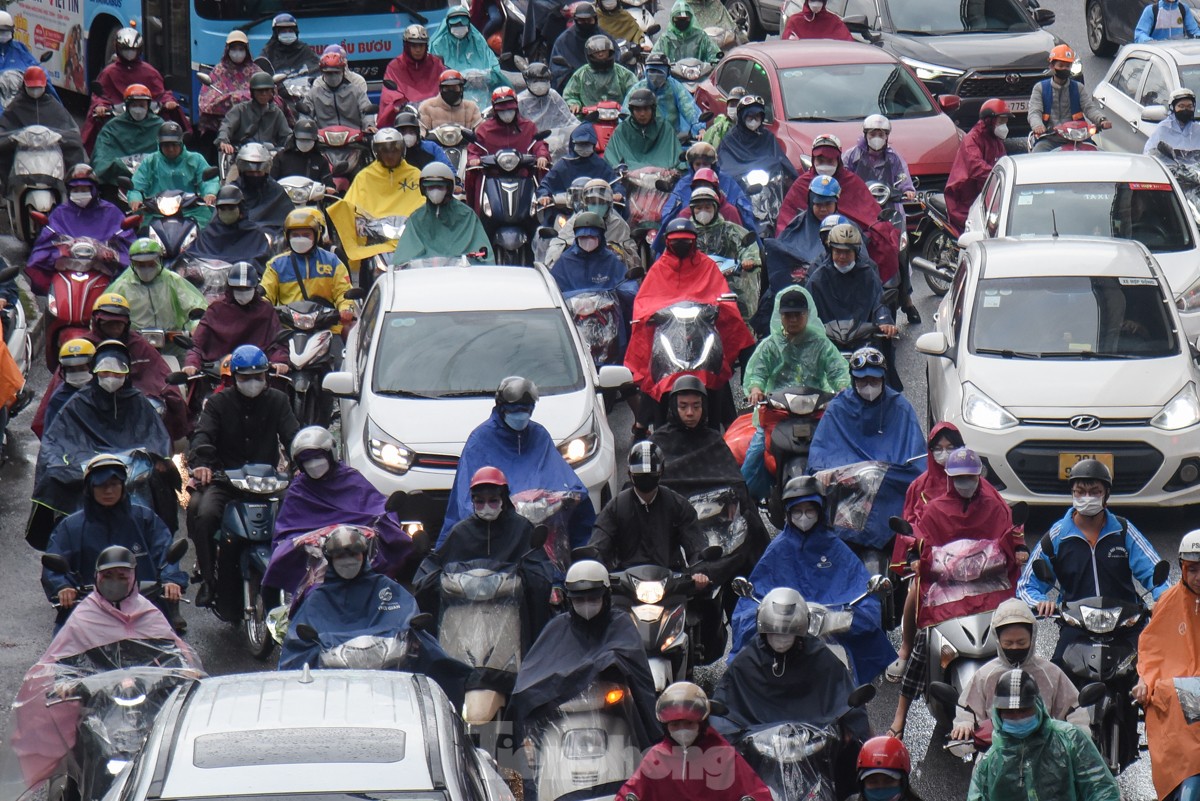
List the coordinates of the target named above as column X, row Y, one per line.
column 1182, row 51
column 814, row 52
column 292, row 732
column 1060, row 167
column 1037, row 256
column 454, row 288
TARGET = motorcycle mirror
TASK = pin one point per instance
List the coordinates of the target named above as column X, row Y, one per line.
column 177, row 551
column 540, row 135
column 265, row 64
column 1020, row 513
column 711, row 553
column 546, row 232
column 196, row 314
column 1166, row 150
column 706, row 117
column 355, row 293
column 663, row 185
column 1091, row 694
column 125, row 182
column 55, row 563
column 1043, row 571
column 560, row 61
column 421, row 622
column 39, row 217
column 540, row 535
column 1161, row 571
column 44, row 57
column 131, row 223
column 279, row 78
column 900, row 526
column 861, row 695
column 749, row 239
column 177, row 378
column 592, row 116
column 742, row 587
column 403, row 504
column 9, row 273
column 210, row 173
column 307, row 633
column 204, row 78
column 96, row 88
column 467, row 134
column 388, row 83
column 183, row 341
column 583, row 553
column 878, row 583
column 944, row 694
column 653, row 29
column 717, row 708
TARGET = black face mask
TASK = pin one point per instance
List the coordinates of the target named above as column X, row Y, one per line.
column 1185, row 115
column 644, row 483
column 682, row 247
column 1016, row 656
column 601, row 64
column 683, row 23
column 452, row 96
column 585, row 27
column 1063, row 75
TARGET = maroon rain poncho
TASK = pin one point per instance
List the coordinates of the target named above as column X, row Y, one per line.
column 118, row 76
column 225, row 325
column 978, row 153
column 492, row 136
column 822, row 25
column 415, row 81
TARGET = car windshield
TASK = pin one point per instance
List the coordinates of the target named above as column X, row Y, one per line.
column 1071, row 317
column 1148, row 213
column 841, row 92
column 439, row 354
column 934, row 17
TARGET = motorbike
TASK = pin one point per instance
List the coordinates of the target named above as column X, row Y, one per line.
column 765, row 189
column 170, row 344
column 20, row 347
column 210, row 276
column 364, row 652
column 597, row 315
column 552, row 509
column 378, row 231
column 850, row 335
column 1070, row 135
column 938, row 240
column 648, row 188
column 307, row 325
column 604, row 117
column 346, row 150
column 506, row 203
column 305, row 192
column 453, row 140
column 691, row 72
column 685, row 341
column 84, row 269
column 789, row 418
column 169, row 226
column 36, row 180
column 723, row 38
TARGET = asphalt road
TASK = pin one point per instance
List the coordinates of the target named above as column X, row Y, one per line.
column 26, row 618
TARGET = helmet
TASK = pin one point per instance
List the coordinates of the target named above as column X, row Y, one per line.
column 129, row 38
column 515, row 389
column 82, row 173
column 1062, row 52
column 115, row 556
column 845, row 236
column 1016, row 689
column 450, row 78
column 964, row 462
column 682, row 701
column 436, row 172
column 679, row 228
column 137, row 91
column 537, row 71
column 646, row 459
column 416, row 34
column 305, row 129
column 386, row 136
column 102, row 461
column 600, row 43
column 598, row 189
column 303, row 218
column 826, row 140
column 111, row 357
column 868, row 361
column 145, row 249
column 229, row 195
column 253, row 157
column 489, row 477
column 689, row 383
column 6, row 20
column 877, row 122
column 1013, row 611
column 750, row 101
column 587, row 220
column 35, row 76
column 783, row 611
column 407, row 119
column 283, row 21
column 1189, row 547
column 111, row 303
column 1090, row 470
column 344, row 540
column 170, row 132
column 261, row 80
column 642, row 98
column 332, row 62
column 242, row 275
column 76, row 352
column 706, row 175
column 1182, row 93
column 802, row 488
column 584, row 11
column 237, row 37
column 704, row 195
column 334, row 48
column 311, row 438
column 994, row 108
column 702, row 150
column 832, row 221
column 736, row 93
column 658, row 60
column 248, row 360
column 586, row 576
column 884, row 754
column 825, row 186
column 503, row 95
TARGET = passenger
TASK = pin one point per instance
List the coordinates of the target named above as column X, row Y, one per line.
column 230, row 82
column 449, row 107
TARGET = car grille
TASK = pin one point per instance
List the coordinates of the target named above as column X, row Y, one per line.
column 1036, row 465
column 996, row 84
column 1102, row 422
column 436, row 461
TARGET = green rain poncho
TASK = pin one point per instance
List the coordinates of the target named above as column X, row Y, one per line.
column 714, row 14
column 654, row 145
column 449, row 230
column 724, row 238
column 811, row 359
column 587, row 87
column 716, row 130
column 471, row 53
column 157, row 174
column 123, row 136
column 163, row 303
column 1058, row 761
column 692, row 43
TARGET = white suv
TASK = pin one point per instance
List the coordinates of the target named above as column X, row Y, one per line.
column 1048, row 351
column 424, row 361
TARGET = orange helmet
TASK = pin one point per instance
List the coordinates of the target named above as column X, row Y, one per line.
column 503, row 96
column 1063, row 53
column 137, row 91
column 489, row 476
column 883, row 753
column 450, row 78
column 994, row 108
column 333, row 61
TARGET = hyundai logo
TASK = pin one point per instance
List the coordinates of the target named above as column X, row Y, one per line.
column 1084, row 422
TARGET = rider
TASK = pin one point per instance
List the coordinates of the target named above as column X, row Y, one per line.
column 1166, row 19
column 174, row 167
column 815, row 21
column 643, row 139
column 14, row 55
column 245, row 426
column 36, row 105
column 503, row 128
column 307, row 271
column 337, row 101
column 797, row 352
column 671, row 770
column 1035, row 756
column 240, row 316
column 675, row 103
column 807, row 556
column 230, row 82
column 415, row 72
column 126, row 70
column 714, row 14
column 263, row 199
column 750, row 145
column 571, row 44
column 718, row 237
column 300, row 155
column 581, row 161
column 588, row 265
column 259, row 119
column 978, row 152
column 544, row 106
column 721, row 125
column 702, row 169
column 1168, row 650
column 75, row 368
column 158, row 298
column 231, row 235
column 417, row 151
column 684, row 39
column 1178, row 131
column 130, row 133
column 617, row 22
column 463, row 48
column 883, row 771
column 287, row 52
column 448, row 106
column 1058, row 99
column 444, row 226
column 598, row 199
column 601, row 78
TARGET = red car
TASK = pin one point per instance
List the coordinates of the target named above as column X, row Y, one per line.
column 817, row 86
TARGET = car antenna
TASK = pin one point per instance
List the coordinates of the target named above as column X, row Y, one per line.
column 1054, row 224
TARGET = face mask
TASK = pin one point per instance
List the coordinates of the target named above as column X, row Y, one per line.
column 599, row 65
column 881, row 793
column 300, row 244
column 146, row 274
column 507, row 116
column 781, row 643
column 869, row 392
column 251, row 387
column 940, row 455
column 844, row 268
column 1016, row 656
column 584, row 150
column 458, row 31
column 816, row 7
column 77, row 378
column 332, row 79
column 128, row 54
column 288, row 37
column 804, row 520
column 539, row 88
column 243, row 296
column 609, row 5
column 517, row 421
column 113, row 590
column 410, row 140
column 731, row 112
column 682, row 247
column 656, row 79
column 754, row 123
column 1089, row 505
column 683, row 23
column 685, row 737
column 1001, row 131
column 826, row 169
column 1021, row 728
column 435, row 195
column 5, row 37
column 587, row 243
column 1062, row 75
column 589, row 608
column 704, row 216
column 644, row 483
column 237, row 55
column 111, row 383
column 586, row 28
column 228, row 215
column 347, row 567
column 138, row 113
column 305, row 145
column 877, row 142
column 1185, row 116
column 598, row 208
column 965, row 486
column 81, row 199
column 35, row 91
column 451, row 97
column 315, row 468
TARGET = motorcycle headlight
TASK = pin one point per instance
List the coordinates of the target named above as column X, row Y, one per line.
column 297, row 194
column 650, row 592
column 1077, row 69
column 931, row 72
column 509, row 160
column 264, row 485
column 1181, row 411
column 304, row 322
column 585, row 743
column 609, row 114
column 982, row 412
column 1100, row 621
column 757, row 178
column 386, row 452
column 169, row 206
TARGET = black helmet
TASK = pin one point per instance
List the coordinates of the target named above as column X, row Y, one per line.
column 261, row 80
column 116, row 556
column 1016, row 689
column 584, row 11
column 406, row 119
column 1090, row 470
column 242, row 275
column 646, row 459
column 516, row 389
column 229, row 195
column 305, row 129
column 680, row 226
column 688, row 383
column 658, row 60
column 344, row 540
column 170, row 132
column 537, row 71
column 642, row 98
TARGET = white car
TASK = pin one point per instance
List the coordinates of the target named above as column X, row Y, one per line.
column 1098, row 194
column 1047, row 351
column 423, row 364
column 1139, row 83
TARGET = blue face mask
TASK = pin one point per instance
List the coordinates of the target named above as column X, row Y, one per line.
column 881, row 793
column 1020, row 728
column 517, row 421
column 656, row 79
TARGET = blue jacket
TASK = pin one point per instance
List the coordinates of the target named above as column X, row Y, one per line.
column 1148, row 31
column 675, row 105
column 1122, row 553
column 677, row 201
column 1175, row 134
column 566, row 170
column 578, row 271
column 16, row 56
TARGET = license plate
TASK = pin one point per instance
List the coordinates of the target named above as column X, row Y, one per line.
column 1018, row 106
column 1068, row 460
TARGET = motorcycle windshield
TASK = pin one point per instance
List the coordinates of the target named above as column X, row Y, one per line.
column 719, row 516
column 210, row 276
column 597, row 316
column 794, row 759
column 964, row 568
column 481, row 615
column 41, row 161
column 368, row 652
column 685, row 341
column 850, row 492
column 551, row 509
column 312, row 544
column 646, row 200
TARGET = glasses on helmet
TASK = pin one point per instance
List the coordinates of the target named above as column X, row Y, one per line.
column 871, row 358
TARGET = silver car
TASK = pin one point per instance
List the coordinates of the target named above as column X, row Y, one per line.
column 1139, row 83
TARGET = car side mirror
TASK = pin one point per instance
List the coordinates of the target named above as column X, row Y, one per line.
column 1155, row 113
column 742, row 587
column 1044, row 17
column 307, row 633
column 613, row 376
column 1161, row 571
column 1043, row 571
column 949, row 103
column 340, row 384
column 933, row 343
column 177, row 551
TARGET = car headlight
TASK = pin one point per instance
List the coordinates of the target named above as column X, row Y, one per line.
column 982, row 412
column 387, row 452
column 580, row 446
column 1181, row 411
column 931, row 72
column 1189, row 299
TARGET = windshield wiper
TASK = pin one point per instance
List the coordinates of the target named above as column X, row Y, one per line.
column 1009, row 354
column 468, row 393
column 405, row 393
column 1088, row 354
column 816, row 119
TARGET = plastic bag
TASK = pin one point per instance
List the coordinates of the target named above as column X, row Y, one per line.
column 850, row 492
column 964, row 568
column 551, row 509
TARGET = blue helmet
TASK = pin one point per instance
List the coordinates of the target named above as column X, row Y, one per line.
column 832, row 220
column 825, row 186
column 283, row 21
column 247, row 359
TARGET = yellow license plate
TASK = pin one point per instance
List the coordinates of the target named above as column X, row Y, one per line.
column 1068, row 460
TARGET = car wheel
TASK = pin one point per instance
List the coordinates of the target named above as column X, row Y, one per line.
column 1097, row 34
column 745, row 17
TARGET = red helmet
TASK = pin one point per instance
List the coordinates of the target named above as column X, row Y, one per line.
column 994, row 108
column 35, row 76
column 450, row 78
column 333, row 61
column 883, row 753
column 489, row 476
column 137, row 91
column 708, row 175
column 503, row 96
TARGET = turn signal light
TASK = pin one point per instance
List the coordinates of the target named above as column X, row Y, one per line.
column 614, row 696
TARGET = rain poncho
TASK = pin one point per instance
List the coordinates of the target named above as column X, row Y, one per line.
column 549, row 113
column 885, row 165
column 718, row 128
column 710, row 769
column 245, row 240
column 692, row 43
column 681, row 194
column 46, row 110
column 469, row 54
column 117, row 76
column 264, row 202
column 491, row 136
column 637, row 146
column 743, row 150
column 1057, row 761
column 822, row 25
column 415, row 81
column 340, row 497
column 14, row 55
column 587, row 87
column 450, row 230
column 99, row 220
column 823, row 570
column 619, row 24
column 675, row 105
column 529, row 460
column 1172, row 132
column 931, row 484
column 295, row 58
column 566, row 170
column 230, row 85
column 163, row 303
column 809, row 359
column 577, row 272
column 714, row 14
column 616, row 234
column 123, row 136
column 856, row 295
column 227, row 324
column 977, row 153
column 1168, row 655
column 255, row 122
column 728, row 240
column 157, row 174
column 377, row 192
column 570, row 46
column 344, row 104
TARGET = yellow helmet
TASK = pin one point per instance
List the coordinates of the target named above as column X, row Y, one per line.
column 304, row 218
column 76, row 352
column 112, row 303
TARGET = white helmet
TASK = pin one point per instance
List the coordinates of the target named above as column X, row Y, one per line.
column 312, row 438
column 877, row 122
column 1189, row 547
column 586, row 576
column 6, row 20
column 783, row 611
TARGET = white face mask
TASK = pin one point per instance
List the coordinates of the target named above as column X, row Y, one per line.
column 243, row 296
column 288, row 37
column 128, row 54
column 410, row 140
column 781, row 643
column 77, row 378
column 940, row 455
column 435, row 195
column 731, row 111
column 315, row 468
column 35, row 91
column 111, row 383
column 539, row 88
column 704, row 216
column 826, row 169
column 146, row 274
column 459, row 31
column 332, row 79
column 685, row 737
column 587, row 243
column 609, row 5
column 965, row 486
column 877, row 142
column 237, row 55
column 869, row 392
column 584, row 150
column 803, row 520
column 305, row 145
column 843, row 269
column 251, row 387
column 486, row 511
column 753, row 124
column 507, row 116
column 588, row 608
column 300, row 244
column 815, row 7
column 81, row 199
column 6, row 37
column 1001, row 131
column 138, row 113
column 347, row 567
column 1088, row 505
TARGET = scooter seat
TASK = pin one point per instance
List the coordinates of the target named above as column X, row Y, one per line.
column 938, row 202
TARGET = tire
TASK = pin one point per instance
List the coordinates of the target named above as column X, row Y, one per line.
column 254, row 626
column 932, row 244
column 745, row 17
column 1097, row 32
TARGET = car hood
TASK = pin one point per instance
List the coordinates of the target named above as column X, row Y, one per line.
column 1059, row 388
column 1019, row 51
